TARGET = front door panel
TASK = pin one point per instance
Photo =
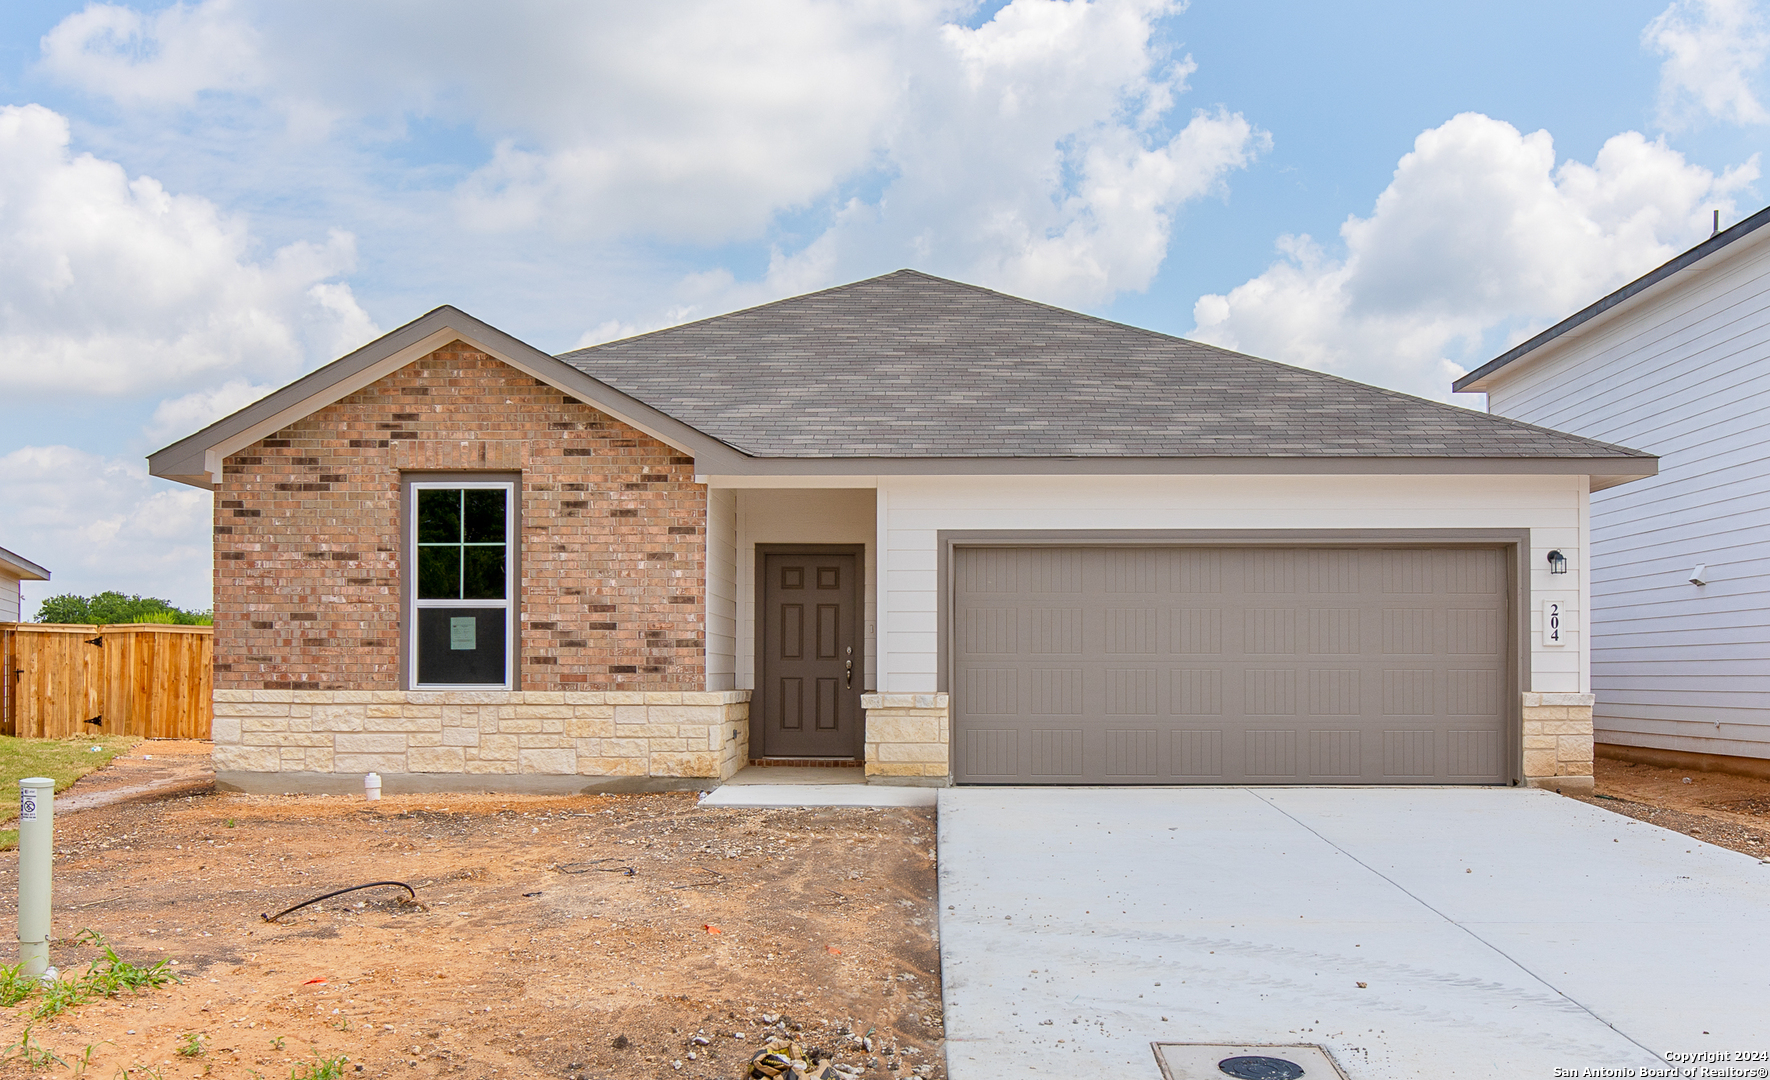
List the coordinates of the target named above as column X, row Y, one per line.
column 808, row 689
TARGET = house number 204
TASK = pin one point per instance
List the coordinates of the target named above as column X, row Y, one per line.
column 1552, row 623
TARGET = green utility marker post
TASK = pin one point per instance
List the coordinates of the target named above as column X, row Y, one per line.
column 36, row 853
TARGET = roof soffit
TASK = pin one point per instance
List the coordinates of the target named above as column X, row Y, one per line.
column 17, row 566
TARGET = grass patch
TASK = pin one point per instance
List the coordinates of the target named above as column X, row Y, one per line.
column 107, row 977
column 320, row 1068
column 63, row 760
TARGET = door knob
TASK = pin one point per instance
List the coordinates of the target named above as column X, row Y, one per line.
column 850, row 673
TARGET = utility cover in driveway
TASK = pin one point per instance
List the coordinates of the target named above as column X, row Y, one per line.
column 1201, row 1061
column 1230, row 665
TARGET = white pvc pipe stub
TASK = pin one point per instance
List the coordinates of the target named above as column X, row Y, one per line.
column 36, row 852
column 372, row 787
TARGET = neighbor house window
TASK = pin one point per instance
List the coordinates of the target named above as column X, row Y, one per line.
column 463, row 543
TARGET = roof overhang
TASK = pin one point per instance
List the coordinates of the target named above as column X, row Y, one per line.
column 1735, row 240
column 21, row 568
column 196, row 460
column 1603, row 472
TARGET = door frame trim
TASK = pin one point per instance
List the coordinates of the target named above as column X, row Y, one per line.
column 1515, row 542
column 759, row 696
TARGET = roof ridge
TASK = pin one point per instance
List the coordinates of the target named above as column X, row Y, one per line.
column 1144, row 330
column 744, row 311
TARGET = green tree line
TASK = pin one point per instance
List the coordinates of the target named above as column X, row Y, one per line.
column 114, row 607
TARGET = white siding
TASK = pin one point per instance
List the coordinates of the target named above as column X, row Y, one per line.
column 721, row 589
column 801, row 516
column 1552, row 508
column 9, row 599
column 1682, row 374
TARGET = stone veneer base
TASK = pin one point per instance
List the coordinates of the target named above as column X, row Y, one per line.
column 310, row 783
column 1558, row 742
column 519, row 741
column 907, row 739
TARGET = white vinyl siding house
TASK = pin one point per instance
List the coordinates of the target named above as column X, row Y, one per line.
column 1681, row 368
column 14, row 569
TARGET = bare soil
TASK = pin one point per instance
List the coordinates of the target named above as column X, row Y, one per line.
column 535, row 951
column 1728, row 811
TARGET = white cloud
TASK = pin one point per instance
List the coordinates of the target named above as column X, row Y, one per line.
column 1479, row 233
column 1031, row 154
column 101, row 523
column 1041, row 151
column 175, row 418
column 113, row 285
column 1714, row 51
column 167, row 57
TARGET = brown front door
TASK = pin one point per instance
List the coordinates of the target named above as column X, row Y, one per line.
column 809, row 684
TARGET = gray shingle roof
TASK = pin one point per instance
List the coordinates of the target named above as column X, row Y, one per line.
column 909, row 365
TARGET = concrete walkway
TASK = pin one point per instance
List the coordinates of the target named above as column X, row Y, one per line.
column 1410, row 932
column 156, row 769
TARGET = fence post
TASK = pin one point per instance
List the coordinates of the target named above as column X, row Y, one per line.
column 36, row 854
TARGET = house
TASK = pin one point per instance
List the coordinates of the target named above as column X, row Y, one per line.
column 1677, row 361
column 14, row 569
column 956, row 535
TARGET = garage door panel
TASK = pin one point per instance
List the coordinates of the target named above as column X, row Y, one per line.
column 1195, row 631
column 1133, row 753
column 1195, row 755
column 1336, row 754
column 1226, row 665
column 1057, row 753
column 1409, row 754
column 1269, row 692
column 991, row 753
column 1056, row 571
column 1472, row 753
column 1270, row 753
column 1131, row 692
column 1058, row 691
column 992, row 691
column 1056, row 631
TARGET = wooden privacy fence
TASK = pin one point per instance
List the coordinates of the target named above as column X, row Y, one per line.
column 132, row 679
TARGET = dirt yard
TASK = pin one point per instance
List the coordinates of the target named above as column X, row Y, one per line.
column 598, row 936
column 1727, row 811
column 535, row 952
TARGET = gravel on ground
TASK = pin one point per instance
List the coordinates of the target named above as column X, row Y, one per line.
column 1717, row 808
column 590, row 936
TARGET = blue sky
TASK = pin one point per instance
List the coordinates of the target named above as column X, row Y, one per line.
column 198, row 202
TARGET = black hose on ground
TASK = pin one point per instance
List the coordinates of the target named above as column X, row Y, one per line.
column 340, row 892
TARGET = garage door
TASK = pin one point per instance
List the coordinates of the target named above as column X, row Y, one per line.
column 1197, row 665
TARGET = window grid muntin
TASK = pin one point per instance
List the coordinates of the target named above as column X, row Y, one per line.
column 418, row 487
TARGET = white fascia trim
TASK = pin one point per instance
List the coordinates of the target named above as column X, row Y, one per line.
column 784, row 480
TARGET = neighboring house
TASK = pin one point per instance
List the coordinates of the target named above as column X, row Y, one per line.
column 1677, row 361
column 954, row 534
column 14, row 569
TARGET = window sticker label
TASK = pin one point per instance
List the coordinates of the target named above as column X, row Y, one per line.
column 462, row 632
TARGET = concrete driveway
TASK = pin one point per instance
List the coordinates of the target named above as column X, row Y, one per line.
column 1409, row 932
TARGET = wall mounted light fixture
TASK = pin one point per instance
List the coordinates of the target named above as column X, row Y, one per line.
column 1557, row 563
column 1696, row 575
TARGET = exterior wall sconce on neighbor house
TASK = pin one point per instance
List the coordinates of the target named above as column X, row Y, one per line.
column 1557, row 562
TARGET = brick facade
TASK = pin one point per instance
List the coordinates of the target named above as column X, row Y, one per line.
column 308, row 544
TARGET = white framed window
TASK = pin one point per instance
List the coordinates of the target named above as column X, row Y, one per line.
column 461, row 623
